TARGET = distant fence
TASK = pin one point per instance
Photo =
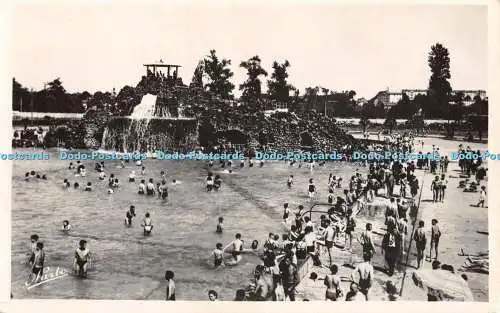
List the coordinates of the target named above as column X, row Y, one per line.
column 17, row 115
column 382, row 120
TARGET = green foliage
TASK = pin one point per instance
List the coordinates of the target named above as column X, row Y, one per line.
column 439, row 86
column 252, row 86
column 278, row 87
column 218, row 74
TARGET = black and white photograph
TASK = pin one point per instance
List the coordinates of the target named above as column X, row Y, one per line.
column 247, row 152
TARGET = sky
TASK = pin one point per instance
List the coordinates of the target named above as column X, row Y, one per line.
column 365, row 48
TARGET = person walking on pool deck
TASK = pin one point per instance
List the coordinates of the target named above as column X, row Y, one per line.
column 332, row 283
column 364, row 271
column 482, row 197
column 435, row 235
column 391, row 243
column 436, row 189
column 169, row 276
column 82, row 257
column 366, row 241
column 420, row 242
column 147, row 224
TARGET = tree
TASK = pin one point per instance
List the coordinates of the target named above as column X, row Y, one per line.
column 457, row 109
column 252, row 86
column 439, row 86
column 278, row 87
column 218, row 74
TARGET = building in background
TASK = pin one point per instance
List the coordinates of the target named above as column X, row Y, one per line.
column 389, row 98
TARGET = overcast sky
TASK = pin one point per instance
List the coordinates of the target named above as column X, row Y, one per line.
column 358, row 47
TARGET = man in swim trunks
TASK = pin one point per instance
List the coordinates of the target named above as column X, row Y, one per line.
column 329, row 238
column 169, row 276
column 147, row 224
column 237, row 247
column 34, row 242
column 38, row 262
column 130, row 214
column 82, row 256
column 218, row 255
column 332, row 283
column 364, row 271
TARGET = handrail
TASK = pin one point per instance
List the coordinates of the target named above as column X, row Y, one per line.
column 310, row 211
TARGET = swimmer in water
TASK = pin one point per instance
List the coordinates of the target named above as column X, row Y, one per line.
column 88, row 187
column 82, row 258
column 34, row 241
column 110, row 191
column 150, row 188
column 27, row 176
column 44, row 177
column 147, row 224
column 76, row 185
column 237, row 246
column 71, row 166
column 130, row 214
column 219, row 225
column 218, row 255
column 143, row 171
column 102, row 175
column 142, row 187
column 66, row 184
column 66, row 226
column 164, row 190
column 131, row 177
column 289, row 182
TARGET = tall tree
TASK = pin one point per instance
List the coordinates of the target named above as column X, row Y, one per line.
column 218, row 73
column 252, row 86
column 439, row 86
column 278, row 87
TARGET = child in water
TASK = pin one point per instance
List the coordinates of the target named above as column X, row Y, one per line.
column 220, row 226
column 130, row 214
column 66, row 226
column 88, row 187
column 147, row 224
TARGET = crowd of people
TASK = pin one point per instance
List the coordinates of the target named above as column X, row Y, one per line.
column 277, row 277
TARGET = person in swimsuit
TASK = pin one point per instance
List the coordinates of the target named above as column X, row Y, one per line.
column 150, row 187
column 76, row 185
column 142, row 187
column 329, row 239
column 34, row 241
column 220, row 226
column 237, row 245
column 210, row 182
column 88, row 187
column 436, row 189
column 82, row 257
column 131, row 177
column 332, row 283
column 66, row 226
column 435, row 235
column 350, row 226
column 311, row 188
column 147, row 224
column 218, row 255
column 364, row 271
column 66, row 183
column 164, row 190
column 212, row 295
column 286, row 212
column 169, row 277
column 38, row 262
column 289, row 182
column 366, row 241
column 130, row 214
